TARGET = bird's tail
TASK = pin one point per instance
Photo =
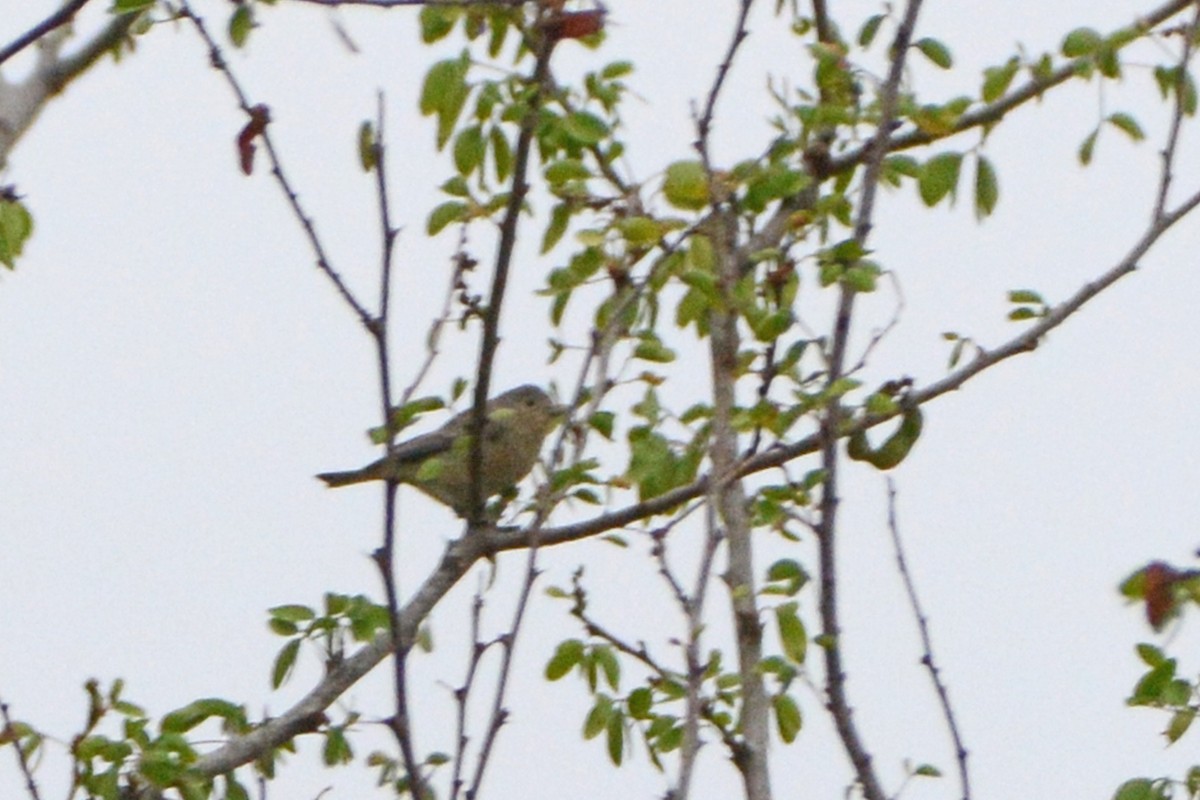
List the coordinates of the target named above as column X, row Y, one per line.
column 335, row 479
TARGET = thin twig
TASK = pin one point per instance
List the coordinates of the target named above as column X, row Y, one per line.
column 401, row 722
column 55, row 20
column 26, row 771
column 927, row 659
column 830, row 431
column 219, row 63
column 1177, row 113
column 540, row 80
column 704, row 122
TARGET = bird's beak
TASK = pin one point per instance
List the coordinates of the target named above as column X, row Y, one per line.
column 560, row 410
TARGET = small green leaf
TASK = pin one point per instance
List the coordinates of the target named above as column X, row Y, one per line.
column 939, row 177
column 437, row 21
column 240, row 25
column 1128, row 125
column 935, row 51
column 1088, row 148
column 367, row 152
column 1025, row 296
column 502, row 155
column 566, row 169
column 560, row 216
column 639, row 703
column 1081, row 42
column 792, row 634
column 284, row 663
column 616, row 736
column 987, row 188
column 566, row 656
column 293, row 613
column 996, row 80
column 608, row 665
column 597, row 717
column 1022, row 313
column 927, row 771
column 468, row 150
column 787, row 717
column 1138, row 789
column 686, row 185
column 444, row 214
column 602, row 423
column 585, row 128
column 1180, row 722
column 866, row 34
column 16, row 226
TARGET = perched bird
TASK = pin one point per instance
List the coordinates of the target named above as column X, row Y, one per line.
column 439, row 463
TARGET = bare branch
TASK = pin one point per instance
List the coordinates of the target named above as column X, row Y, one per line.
column 1177, row 112
column 960, row 750
column 55, row 20
column 10, row 730
column 322, row 259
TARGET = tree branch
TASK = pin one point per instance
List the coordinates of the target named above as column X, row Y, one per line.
column 55, row 20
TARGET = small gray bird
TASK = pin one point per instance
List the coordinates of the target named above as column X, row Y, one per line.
column 439, row 463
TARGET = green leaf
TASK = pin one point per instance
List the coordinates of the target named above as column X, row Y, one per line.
column 437, row 21
column 987, row 188
column 16, row 226
column 367, row 146
column 444, row 214
column 787, row 717
column 1128, row 125
column 566, row 169
column 1180, row 722
column 293, row 613
column 1025, row 296
column 939, row 177
column 640, row 231
column 597, row 718
column 617, row 69
column 1081, row 42
column 560, row 216
column 184, row 719
column 284, row 663
column 502, row 155
column 651, row 348
column 337, row 748
column 240, row 25
column 468, row 150
column 585, row 128
column 866, row 34
column 444, row 94
column 927, row 771
column 1088, row 147
column 996, row 80
column 639, row 703
column 566, row 656
column 1022, row 313
column 608, row 665
column 1138, row 789
column 792, row 634
column 616, row 736
column 935, row 51
column 686, row 185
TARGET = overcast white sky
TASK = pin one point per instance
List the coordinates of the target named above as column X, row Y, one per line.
column 173, row 371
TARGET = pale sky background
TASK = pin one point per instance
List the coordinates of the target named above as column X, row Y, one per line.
column 173, row 371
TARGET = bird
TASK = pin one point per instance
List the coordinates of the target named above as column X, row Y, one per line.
column 439, row 462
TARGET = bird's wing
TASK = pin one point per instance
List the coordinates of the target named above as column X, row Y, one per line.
column 421, row 447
